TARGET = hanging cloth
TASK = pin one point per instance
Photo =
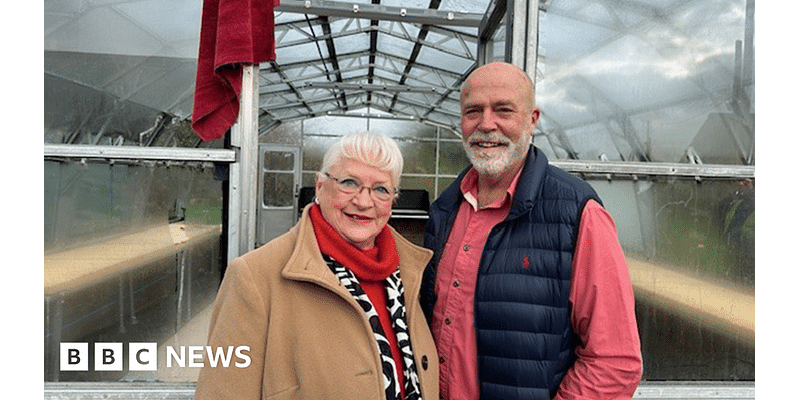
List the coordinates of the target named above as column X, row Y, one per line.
column 232, row 33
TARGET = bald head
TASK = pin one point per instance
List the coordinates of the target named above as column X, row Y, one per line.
column 504, row 73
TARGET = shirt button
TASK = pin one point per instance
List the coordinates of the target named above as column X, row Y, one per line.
column 466, row 247
column 425, row 363
column 447, row 321
column 456, row 283
column 441, row 360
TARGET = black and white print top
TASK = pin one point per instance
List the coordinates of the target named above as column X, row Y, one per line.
column 397, row 312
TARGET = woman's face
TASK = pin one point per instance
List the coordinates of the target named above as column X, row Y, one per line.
column 358, row 217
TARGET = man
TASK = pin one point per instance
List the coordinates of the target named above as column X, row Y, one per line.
column 528, row 294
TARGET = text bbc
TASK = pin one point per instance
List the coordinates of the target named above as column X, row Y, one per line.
column 144, row 356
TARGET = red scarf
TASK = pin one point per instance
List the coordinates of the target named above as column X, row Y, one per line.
column 371, row 267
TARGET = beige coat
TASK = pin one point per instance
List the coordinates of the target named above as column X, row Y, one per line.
column 308, row 338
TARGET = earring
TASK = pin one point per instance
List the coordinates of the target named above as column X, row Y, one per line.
column 316, row 199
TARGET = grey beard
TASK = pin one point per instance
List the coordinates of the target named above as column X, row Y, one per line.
column 492, row 165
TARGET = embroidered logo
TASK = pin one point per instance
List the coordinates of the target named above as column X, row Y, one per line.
column 526, row 262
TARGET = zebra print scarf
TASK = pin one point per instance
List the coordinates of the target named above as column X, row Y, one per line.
column 396, row 305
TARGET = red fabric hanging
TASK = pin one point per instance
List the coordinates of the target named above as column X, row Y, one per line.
column 232, row 33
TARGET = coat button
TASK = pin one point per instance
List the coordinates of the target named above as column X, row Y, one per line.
column 425, row 363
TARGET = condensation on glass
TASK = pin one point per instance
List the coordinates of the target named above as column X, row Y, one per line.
column 131, row 254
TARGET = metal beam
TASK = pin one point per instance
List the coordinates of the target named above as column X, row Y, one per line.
column 243, row 186
column 139, row 153
column 656, row 169
column 380, row 12
column 698, row 390
column 368, row 87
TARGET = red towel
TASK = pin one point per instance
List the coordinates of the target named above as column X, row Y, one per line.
column 232, row 33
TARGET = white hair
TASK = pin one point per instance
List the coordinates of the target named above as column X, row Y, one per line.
column 372, row 148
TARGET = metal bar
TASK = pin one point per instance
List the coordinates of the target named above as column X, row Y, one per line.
column 244, row 184
column 139, row 153
column 380, row 12
column 656, row 169
column 532, row 42
column 359, row 86
column 672, row 390
column 516, row 33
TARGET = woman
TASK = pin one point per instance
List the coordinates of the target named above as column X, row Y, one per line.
column 327, row 309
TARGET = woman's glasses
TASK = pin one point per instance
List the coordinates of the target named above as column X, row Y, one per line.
column 352, row 186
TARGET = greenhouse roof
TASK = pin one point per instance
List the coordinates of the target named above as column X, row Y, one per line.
column 408, row 58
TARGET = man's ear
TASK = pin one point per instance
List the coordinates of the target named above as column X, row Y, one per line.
column 535, row 114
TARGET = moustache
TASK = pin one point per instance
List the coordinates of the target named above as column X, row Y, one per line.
column 488, row 137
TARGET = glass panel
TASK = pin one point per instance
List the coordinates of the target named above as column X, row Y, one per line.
column 402, row 129
column 444, row 182
column 278, row 189
column 333, row 125
column 452, row 158
column 309, row 179
column 669, row 85
column 314, row 148
column 279, row 161
column 691, row 253
column 131, row 254
column 419, row 157
column 419, row 183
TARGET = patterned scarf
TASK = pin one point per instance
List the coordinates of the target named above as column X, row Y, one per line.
column 375, row 266
column 397, row 310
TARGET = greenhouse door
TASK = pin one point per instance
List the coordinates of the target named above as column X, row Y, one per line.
column 279, row 170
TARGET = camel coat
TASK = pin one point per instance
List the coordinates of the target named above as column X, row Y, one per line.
column 307, row 337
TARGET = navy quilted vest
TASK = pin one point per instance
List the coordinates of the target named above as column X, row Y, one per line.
column 525, row 339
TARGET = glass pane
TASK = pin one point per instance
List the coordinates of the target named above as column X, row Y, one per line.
column 131, row 254
column 691, row 253
column 452, row 158
column 278, row 189
column 419, row 183
column 333, row 125
column 671, row 85
column 279, row 161
column 402, row 129
column 418, row 157
column 314, row 148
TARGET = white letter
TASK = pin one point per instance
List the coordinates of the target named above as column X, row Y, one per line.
column 74, row 356
column 194, row 356
column 243, row 356
column 143, row 356
column 108, row 356
column 220, row 354
column 172, row 354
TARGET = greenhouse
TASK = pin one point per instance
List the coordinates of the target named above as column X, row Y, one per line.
column 652, row 102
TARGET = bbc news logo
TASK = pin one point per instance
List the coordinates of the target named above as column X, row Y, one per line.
column 144, row 356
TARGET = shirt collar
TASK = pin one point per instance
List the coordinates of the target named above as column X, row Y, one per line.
column 469, row 188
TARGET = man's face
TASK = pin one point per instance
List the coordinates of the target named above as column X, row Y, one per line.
column 497, row 118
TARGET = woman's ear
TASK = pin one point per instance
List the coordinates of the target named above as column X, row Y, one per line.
column 317, row 186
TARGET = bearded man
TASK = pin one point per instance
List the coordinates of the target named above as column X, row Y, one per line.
column 528, row 294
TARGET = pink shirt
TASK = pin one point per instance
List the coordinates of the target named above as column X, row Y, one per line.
column 608, row 365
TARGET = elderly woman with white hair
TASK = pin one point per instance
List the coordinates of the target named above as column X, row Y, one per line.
column 329, row 309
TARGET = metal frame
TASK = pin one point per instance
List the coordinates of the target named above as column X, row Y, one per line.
column 657, row 169
column 243, row 185
column 185, row 390
column 139, row 153
column 380, row 12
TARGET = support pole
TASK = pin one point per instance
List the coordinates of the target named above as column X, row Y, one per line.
column 244, row 172
column 522, row 35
